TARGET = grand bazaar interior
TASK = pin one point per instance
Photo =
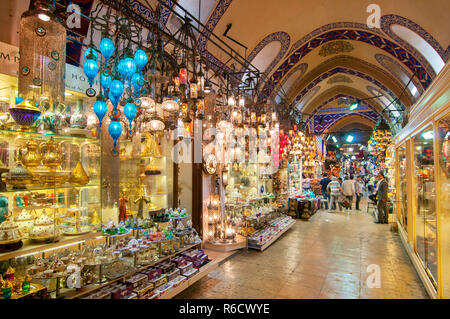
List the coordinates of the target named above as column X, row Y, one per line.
column 224, row 149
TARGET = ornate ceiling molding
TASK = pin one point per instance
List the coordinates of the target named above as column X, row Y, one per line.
column 351, row 121
column 346, row 34
column 327, row 121
column 340, row 78
column 353, row 66
column 335, row 47
column 387, row 20
column 281, row 37
column 390, row 64
column 300, row 67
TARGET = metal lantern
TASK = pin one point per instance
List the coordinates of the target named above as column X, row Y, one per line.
column 42, row 55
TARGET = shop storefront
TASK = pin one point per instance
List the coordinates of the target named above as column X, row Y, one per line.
column 422, row 175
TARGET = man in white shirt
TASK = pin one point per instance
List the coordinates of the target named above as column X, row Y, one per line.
column 348, row 187
column 358, row 191
column 334, row 190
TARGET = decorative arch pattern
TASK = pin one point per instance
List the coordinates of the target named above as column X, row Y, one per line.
column 346, row 71
column 388, row 63
column 387, row 20
column 281, row 37
column 301, row 67
column 328, row 120
column 345, row 34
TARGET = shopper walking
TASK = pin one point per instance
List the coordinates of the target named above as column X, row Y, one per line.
column 382, row 191
column 348, row 187
column 359, row 191
column 334, row 189
column 324, row 183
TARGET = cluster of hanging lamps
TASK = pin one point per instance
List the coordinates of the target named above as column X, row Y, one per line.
column 123, row 78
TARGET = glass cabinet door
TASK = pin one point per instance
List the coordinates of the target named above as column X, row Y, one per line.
column 425, row 201
column 444, row 200
column 402, row 190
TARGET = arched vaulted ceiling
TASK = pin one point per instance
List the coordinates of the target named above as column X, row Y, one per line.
column 332, row 40
column 311, row 52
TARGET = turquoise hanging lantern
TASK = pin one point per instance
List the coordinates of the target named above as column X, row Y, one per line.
column 140, row 59
column 100, row 109
column 130, row 112
column 90, row 68
column 105, row 82
column 115, row 129
column 115, row 91
column 107, row 49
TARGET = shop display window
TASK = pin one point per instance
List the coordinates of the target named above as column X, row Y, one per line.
column 402, row 198
column 426, row 232
column 444, row 200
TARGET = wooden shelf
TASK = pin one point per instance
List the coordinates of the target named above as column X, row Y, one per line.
column 93, row 287
column 28, row 248
column 272, row 240
column 43, row 189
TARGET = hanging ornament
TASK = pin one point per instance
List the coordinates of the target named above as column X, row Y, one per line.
column 115, row 129
column 105, row 81
column 140, row 59
column 130, row 112
column 100, row 109
column 90, row 68
column 106, row 49
column 115, row 90
column 138, row 82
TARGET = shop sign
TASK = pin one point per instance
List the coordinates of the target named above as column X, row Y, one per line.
column 75, row 80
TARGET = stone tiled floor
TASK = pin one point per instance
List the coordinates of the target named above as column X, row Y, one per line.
column 325, row 257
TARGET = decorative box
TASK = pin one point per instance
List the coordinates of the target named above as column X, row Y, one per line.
column 193, row 254
column 137, row 280
column 133, row 295
column 144, row 289
column 150, row 295
column 179, row 260
column 159, row 280
column 166, row 267
column 200, row 261
column 190, row 273
column 163, row 289
column 152, row 273
column 178, row 281
column 122, row 291
column 185, row 268
column 172, row 275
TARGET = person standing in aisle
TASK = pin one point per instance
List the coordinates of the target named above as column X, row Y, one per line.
column 334, row 190
column 348, row 187
column 382, row 191
column 324, row 183
column 359, row 191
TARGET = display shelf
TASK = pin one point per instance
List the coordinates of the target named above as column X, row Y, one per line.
column 202, row 272
column 272, row 240
column 94, row 287
column 29, row 248
column 44, row 189
column 58, row 136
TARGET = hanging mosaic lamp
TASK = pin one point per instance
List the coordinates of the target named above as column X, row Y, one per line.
column 140, row 59
column 105, row 82
column 42, row 47
column 100, row 109
column 115, row 90
column 127, row 68
column 106, row 49
column 130, row 112
column 90, row 68
column 115, row 129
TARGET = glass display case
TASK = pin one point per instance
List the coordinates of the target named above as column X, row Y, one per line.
column 402, row 194
column 443, row 167
column 145, row 173
column 425, row 201
column 294, row 172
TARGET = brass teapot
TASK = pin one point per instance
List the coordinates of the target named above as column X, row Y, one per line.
column 32, row 158
column 52, row 157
